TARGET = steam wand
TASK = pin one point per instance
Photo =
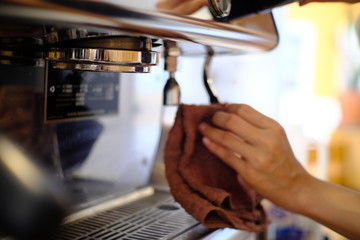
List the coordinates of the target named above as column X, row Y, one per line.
column 207, row 79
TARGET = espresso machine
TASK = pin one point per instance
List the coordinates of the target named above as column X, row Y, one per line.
column 87, row 94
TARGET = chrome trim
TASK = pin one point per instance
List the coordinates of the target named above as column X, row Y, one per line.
column 104, row 56
column 80, row 38
column 65, row 35
column 116, row 18
column 133, row 196
column 100, row 67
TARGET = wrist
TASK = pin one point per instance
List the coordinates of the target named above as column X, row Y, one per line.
column 304, row 194
column 293, row 195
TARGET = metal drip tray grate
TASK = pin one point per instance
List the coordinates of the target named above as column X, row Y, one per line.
column 153, row 217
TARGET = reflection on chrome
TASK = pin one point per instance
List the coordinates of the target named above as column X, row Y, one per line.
column 117, row 19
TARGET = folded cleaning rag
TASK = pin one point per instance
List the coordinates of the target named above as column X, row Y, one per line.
column 207, row 188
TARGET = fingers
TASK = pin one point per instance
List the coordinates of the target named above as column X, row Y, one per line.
column 237, row 125
column 181, row 6
column 244, row 121
column 234, row 161
column 167, row 4
column 190, row 6
column 250, row 115
column 227, row 143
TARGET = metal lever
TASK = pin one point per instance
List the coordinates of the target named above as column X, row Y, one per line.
column 207, row 79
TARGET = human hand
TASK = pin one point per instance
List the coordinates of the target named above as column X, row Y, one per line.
column 257, row 148
column 181, row 6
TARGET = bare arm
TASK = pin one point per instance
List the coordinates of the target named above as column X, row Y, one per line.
column 257, row 148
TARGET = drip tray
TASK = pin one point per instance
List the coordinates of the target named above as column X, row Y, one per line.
column 153, row 217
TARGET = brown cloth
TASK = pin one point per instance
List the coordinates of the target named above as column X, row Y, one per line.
column 207, row 188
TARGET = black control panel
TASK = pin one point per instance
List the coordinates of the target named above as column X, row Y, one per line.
column 73, row 94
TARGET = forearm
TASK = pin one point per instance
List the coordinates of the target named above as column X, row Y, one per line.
column 331, row 205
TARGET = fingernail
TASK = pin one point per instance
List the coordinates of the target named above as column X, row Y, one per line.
column 206, row 141
column 202, row 126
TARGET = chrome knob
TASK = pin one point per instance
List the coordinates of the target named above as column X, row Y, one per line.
column 220, row 8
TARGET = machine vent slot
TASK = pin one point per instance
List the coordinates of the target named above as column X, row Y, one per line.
column 155, row 217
